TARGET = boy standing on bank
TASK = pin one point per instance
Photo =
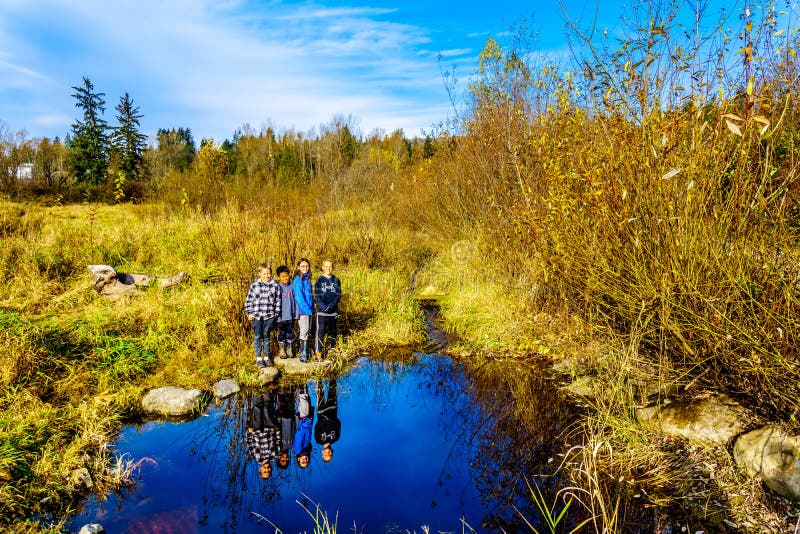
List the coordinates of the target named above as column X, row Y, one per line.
column 262, row 306
column 288, row 314
column 327, row 293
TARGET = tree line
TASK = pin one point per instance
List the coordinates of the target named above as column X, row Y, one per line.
column 99, row 161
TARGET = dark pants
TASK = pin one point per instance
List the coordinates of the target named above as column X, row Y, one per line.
column 261, row 328
column 286, row 331
column 326, row 332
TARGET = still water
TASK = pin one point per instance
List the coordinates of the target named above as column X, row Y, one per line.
column 419, row 444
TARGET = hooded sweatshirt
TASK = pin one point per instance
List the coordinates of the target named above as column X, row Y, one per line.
column 303, row 294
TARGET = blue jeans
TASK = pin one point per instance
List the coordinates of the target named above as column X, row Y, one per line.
column 286, row 331
column 261, row 328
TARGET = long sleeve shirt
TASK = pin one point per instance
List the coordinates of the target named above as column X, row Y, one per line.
column 264, row 444
column 303, row 294
column 327, row 293
column 263, row 300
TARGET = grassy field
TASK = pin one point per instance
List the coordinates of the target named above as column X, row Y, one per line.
column 75, row 364
column 639, row 214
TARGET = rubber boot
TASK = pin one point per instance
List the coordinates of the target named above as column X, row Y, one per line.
column 304, row 353
column 282, row 350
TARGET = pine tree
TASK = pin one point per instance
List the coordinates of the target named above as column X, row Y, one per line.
column 126, row 141
column 89, row 143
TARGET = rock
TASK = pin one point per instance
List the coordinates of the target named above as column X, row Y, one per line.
column 268, row 375
column 92, row 528
column 714, row 420
column 112, row 284
column 171, row 400
column 428, row 292
column 774, row 456
column 81, row 477
column 294, row 367
column 583, row 386
column 225, row 388
column 571, row 365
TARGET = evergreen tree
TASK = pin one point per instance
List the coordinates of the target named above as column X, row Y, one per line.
column 176, row 149
column 127, row 141
column 89, row 143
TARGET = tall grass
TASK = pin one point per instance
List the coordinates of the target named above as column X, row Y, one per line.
column 623, row 197
column 73, row 364
column 647, row 196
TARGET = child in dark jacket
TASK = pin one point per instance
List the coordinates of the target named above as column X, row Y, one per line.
column 305, row 303
column 328, row 427
column 327, row 293
column 262, row 306
column 288, row 314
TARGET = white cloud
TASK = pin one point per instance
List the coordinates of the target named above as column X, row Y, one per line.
column 336, row 13
column 455, row 52
column 213, row 66
column 52, row 119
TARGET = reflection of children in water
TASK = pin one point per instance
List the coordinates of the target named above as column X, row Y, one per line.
column 302, row 436
column 263, row 434
column 328, row 427
column 287, row 424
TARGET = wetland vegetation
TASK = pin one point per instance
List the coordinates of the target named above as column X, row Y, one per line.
column 637, row 215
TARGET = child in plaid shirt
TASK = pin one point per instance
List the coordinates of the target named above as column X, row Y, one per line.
column 262, row 306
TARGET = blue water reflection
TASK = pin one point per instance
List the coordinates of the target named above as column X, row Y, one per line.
column 414, row 443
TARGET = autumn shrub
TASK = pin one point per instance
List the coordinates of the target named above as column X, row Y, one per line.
column 639, row 204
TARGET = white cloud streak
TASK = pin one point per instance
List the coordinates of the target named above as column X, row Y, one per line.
column 213, row 66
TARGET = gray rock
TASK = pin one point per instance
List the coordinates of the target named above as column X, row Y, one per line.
column 92, row 528
column 571, row 365
column 268, row 375
column 294, row 367
column 225, row 388
column 715, row 420
column 172, row 400
column 81, row 477
column 113, row 284
column 429, row 292
column 774, row 456
column 583, row 386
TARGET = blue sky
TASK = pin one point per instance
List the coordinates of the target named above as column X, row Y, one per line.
column 214, row 65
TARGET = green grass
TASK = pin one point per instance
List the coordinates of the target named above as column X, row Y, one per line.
column 73, row 364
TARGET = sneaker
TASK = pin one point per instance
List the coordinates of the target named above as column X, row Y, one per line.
column 269, row 363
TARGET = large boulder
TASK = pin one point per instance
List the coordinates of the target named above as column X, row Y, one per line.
column 294, row 367
column 225, row 388
column 172, row 400
column 774, row 456
column 716, row 420
column 113, row 284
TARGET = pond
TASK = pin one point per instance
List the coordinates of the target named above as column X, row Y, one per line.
column 420, row 445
